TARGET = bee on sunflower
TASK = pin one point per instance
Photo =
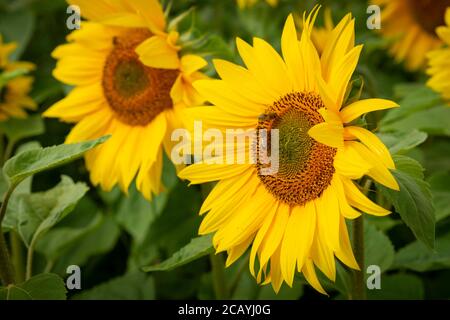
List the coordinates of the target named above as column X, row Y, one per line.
column 132, row 81
column 15, row 86
column 294, row 219
column 411, row 25
column 439, row 62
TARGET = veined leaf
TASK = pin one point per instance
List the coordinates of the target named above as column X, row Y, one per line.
column 416, row 256
column 45, row 286
column 34, row 161
column 196, row 249
column 39, row 212
column 414, row 200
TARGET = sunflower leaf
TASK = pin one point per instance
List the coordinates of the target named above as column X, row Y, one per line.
column 417, row 257
column 46, row 286
column 39, row 212
column 401, row 142
column 414, row 200
column 34, row 161
column 133, row 286
column 17, row 129
column 196, row 249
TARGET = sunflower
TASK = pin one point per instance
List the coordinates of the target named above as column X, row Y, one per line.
column 14, row 99
column 248, row 3
column 439, row 62
column 130, row 81
column 411, row 24
column 319, row 35
column 293, row 219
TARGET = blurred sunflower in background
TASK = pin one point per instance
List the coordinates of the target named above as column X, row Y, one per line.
column 439, row 62
column 15, row 86
column 248, row 3
column 131, row 81
column 293, row 219
column 411, row 25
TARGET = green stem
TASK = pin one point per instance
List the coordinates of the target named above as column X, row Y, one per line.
column 359, row 288
column 218, row 274
column 17, row 255
column 359, row 285
column 8, row 151
column 6, row 267
column 30, row 254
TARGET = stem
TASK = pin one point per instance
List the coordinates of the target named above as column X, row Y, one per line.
column 218, row 274
column 6, row 267
column 8, row 151
column 359, row 288
column 17, row 256
column 30, row 253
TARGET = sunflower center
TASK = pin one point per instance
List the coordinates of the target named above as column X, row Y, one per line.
column 429, row 14
column 136, row 93
column 305, row 165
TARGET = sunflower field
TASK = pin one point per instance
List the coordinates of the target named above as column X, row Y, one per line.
column 225, row 150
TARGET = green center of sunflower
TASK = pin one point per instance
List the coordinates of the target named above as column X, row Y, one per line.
column 136, row 93
column 294, row 142
column 130, row 78
column 429, row 14
column 305, row 166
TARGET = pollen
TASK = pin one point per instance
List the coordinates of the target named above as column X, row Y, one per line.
column 136, row 93
column 305, row 165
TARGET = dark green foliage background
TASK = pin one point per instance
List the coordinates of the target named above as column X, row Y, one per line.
column 112, row 236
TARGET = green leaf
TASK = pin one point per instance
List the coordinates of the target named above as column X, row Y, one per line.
column 31, row 162
column 398, row 287
column 416, row 256
column 401, row 142
column 10, row 221
column 18, row 129
column 46, row 286
column 39, row 212
column 414, row 200
column 98, row 240
column 378, row 248
column 440, row 188
column 415, row 98
column 136, row 214
column 432, row 121
column 196, row 249
column 133, row 286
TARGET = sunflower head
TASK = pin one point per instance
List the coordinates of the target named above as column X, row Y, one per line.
column 411, row 27
column 15, row 86
column 439, row 62
column 130, row 81
column 292, row 219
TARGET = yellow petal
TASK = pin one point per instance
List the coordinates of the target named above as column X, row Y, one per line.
column 311, row 277
column 345, row 253
column 349, row 163
column 346, row 210
column 291, row 53
column 374, row 144
column 357, row 109
column 156, row 52
column 358, row 200
column 328, row 134
column 378, row 171
column 202, row 172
